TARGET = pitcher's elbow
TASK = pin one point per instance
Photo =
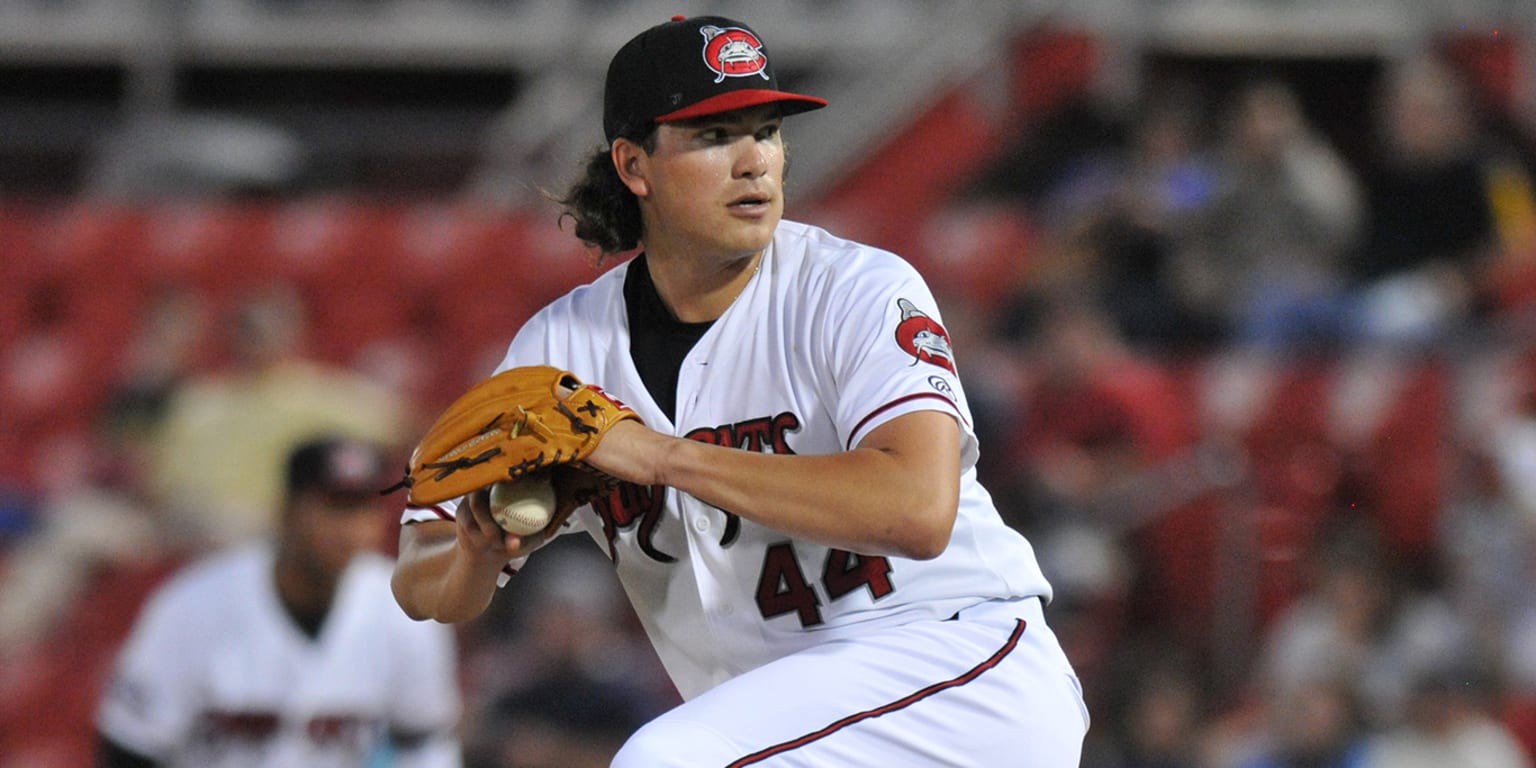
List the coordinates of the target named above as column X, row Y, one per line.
column 927, row 537
column 928, row 547
column 405, row 598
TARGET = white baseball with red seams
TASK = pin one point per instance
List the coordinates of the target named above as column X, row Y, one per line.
column 524, row 507
column 791, row 652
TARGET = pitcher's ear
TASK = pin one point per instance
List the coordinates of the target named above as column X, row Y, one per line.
column 631, row 162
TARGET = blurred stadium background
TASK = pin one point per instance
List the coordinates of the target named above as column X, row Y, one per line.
column 1243, row 291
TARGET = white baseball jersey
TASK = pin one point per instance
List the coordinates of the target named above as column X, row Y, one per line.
column 829, row 340
column 216, row 673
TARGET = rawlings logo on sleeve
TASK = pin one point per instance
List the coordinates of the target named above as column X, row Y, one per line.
column 923, row 338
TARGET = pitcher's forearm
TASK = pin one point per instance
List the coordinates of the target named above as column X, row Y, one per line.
column 896, row 493
column 437, row 579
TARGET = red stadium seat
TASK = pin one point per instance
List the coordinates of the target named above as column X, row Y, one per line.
column 1404, row 464
column 345, row 318
column 979, row 252
column 437, row 244
column 219, row 249
column 48, row 707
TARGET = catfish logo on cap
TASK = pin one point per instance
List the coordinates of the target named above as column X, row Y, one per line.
column 733, row 52
column 655, row 77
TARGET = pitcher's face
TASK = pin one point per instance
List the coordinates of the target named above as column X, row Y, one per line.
column 713, row 185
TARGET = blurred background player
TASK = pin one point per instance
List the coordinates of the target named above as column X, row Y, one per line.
column 289, row 651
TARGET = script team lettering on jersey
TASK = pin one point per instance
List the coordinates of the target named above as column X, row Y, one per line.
column 222, row 728
column 629, row 503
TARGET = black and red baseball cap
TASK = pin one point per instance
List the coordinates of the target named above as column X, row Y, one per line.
column 690, row 67
column 344, row 470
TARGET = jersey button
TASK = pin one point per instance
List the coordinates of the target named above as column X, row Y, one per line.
column 701, row 524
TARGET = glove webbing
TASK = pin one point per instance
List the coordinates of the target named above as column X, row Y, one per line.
column 521, row 468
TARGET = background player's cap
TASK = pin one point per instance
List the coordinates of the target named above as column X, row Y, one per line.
column 342, row 468
column 688, row 68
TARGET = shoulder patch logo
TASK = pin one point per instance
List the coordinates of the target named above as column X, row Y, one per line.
column 923, row 338
column 733, row 52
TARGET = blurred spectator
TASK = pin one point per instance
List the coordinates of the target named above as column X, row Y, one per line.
column 1519, row 676
column 1430, row 239
column 289, row 650
column 221, row 449
column 1488, row 550
column 1513, row 438
column 1123, row 215
column 1267, row 255
column 576, row 679
column 101, row 512
column 105, row 517
column 1357, row 623
column 1101, row 462
column 170, row 344
column 1159, row 723
column 1489, row 538
column 1097, row 413
column 1316, row 725
column 1447, row 723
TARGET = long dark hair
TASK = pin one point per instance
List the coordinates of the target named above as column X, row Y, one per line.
column 605, row 212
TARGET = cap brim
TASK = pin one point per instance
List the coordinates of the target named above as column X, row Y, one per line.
column 348, row 497
column 793, row 103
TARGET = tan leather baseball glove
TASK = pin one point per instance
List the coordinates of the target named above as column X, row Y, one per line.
column 521, row 422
